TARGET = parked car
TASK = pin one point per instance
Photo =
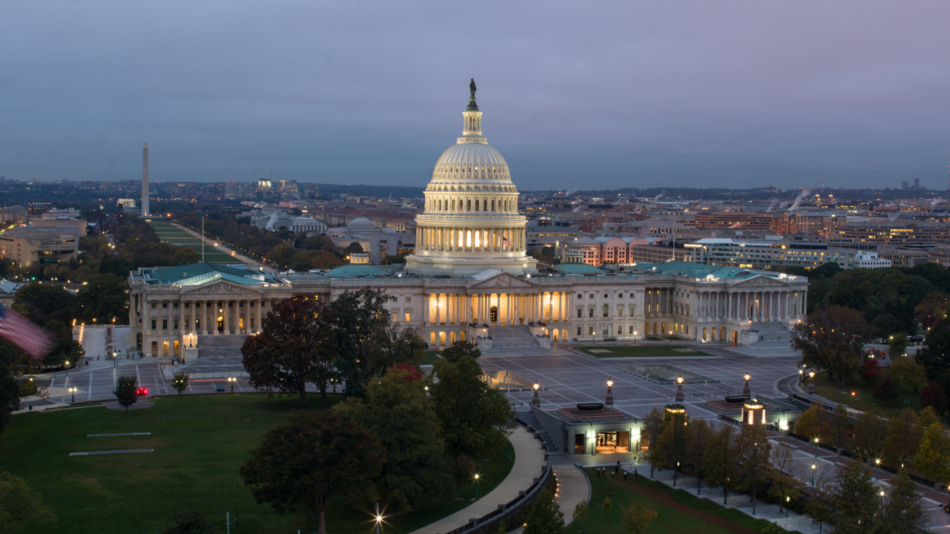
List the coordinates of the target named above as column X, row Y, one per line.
column 219, row 388
column 142, row 392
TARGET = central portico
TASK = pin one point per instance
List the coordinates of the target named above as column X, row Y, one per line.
column 471, row 221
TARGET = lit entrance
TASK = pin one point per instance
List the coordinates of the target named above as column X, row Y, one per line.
column 493, row 314
column 220, row 324
column 611, row 442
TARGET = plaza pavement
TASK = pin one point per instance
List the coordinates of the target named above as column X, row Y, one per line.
column 529, row 459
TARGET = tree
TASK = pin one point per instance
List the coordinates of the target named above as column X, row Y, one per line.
column 295, row 347
column 13, row 387
column 399, row 413
column 838, row 429
column 42, row 303
column 933, row 455
column 698, row 437
column 461, row 348
column 870, row 371
column 870, row 431
column 637, row 517
column 934, row 397
column 935, row 356
column 475, row 418
column 886, row 389
column 908, row 372
column 463, row 469
column 180, row 382
column 903, row 439
column 189, row 522
column 854, row 498
column 545, row 516
column 784, row 476
column 363, row 332
column 103, row 299
column 312, row 458
column 669, row 451
column 719, row 462
column 20, row 505
column 607, row 505
column 812, row 422
column 832, row 338
column 652, row 424
column 581, row 513
column 125, row 391
column 896, row 345
column 752, row 452
column 903, row 513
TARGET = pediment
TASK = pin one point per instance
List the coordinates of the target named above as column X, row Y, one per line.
column 222, row 287
column 501, row 280
column 762, row 281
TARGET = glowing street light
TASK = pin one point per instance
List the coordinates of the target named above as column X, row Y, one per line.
column 813, row 468
column 476, row 485
column 232, row 380
column 73, row 390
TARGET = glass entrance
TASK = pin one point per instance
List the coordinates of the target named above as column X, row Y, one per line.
column 611, row 442
column 493, row 314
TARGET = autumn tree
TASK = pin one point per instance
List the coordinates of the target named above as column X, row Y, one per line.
column 933, row 396
column 698, row 437
column 652, row 424
column 19, row 504
column 581, row 513
column 870, row 431
column 719, row 463
column 908, row 372
column 309, row 460
column 839, row 430
column 638, row 516
column 812, row 423
column 933, row 455
column 295, row 347
column 545, row 516
column 854, row 498
column 784, row 475
column 367, row 342
column 903, row 511
column 903, row 439
column 752, row 453
column 669, row 450
column 896, row 345
column 397, row 411
column 832, row 338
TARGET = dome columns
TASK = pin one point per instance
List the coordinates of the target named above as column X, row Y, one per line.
column 471, row 239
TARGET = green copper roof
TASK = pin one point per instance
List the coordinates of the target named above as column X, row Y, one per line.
column 577, row 268
column 358, row 270
column 203, row 273
column 699, row 270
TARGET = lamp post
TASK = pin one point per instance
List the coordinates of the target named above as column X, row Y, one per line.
column 787, row 499
column 816, row 447
column 746, row 390
column 811, row 382
column 680, row 397
column 379, row 518
column 232, row 380
column 72, row 390
column 67, row 368
column 476, row 485
column 877, row 470
column 882, row 502
column 610, row 393
column 536, row 401
column 852, row 399
column 813, row 469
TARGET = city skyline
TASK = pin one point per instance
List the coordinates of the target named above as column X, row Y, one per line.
column 611, row 96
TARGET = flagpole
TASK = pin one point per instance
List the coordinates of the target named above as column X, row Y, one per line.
column 202, row 238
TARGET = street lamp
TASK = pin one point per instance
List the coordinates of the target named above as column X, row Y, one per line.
column 787, row 498
column 816, row 447
column 476, row 485
column 877, row 471
column 73, row 391
column 852, row 398
column 232, row 380
column 379, row 518
column 67, row 368
column 813, row 468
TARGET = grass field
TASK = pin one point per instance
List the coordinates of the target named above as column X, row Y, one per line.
column 176, row 236
column 200, row 443
column 430, row 357
column 640, row 351
column 678, row 512
column 863, row 399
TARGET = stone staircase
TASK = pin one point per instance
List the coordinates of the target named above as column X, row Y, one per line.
column 775, row 340
column 220, row 346
column 527, row 417
column 506, row 337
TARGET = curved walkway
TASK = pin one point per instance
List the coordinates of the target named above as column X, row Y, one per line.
column 529, row 459
column 572, row 488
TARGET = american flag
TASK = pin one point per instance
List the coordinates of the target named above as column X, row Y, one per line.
column 24, row 334
column 505, row 241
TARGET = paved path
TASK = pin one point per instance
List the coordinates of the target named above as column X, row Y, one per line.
column 572, row 488
column 529, row 459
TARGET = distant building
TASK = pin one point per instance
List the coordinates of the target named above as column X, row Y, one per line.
column 772, row 255
column 27, row 245
column 8, row 291
column 13, row 214
column 375, row 241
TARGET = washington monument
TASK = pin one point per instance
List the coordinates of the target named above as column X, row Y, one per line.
column 145, row 181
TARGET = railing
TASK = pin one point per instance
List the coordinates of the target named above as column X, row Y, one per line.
column 489, row 522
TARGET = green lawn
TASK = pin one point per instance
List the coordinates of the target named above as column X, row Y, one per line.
column 863, row 399
column 200, row 443
column 176, row 236
column 640, row 351
column 430, row 357
column 678, row 512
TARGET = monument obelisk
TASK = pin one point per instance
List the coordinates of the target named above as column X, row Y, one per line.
column 145, row 212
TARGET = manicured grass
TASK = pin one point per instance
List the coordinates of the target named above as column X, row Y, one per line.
column 430, row 357
column 677, row 511
column 863, row 399
column 176, row 236
column 640, row 351
column 200, row 443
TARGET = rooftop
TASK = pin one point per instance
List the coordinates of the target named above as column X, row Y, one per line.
column 201, row 273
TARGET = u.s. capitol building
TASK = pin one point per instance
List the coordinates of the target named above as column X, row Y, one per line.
column 471, row 278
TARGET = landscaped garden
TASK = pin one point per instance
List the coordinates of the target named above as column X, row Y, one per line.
column 176, row 236
column 677, row 511
column 863, row 399
column 639, row 351
column 199, row 446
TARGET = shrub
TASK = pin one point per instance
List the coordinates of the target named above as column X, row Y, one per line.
column 870, row 371
column 885, row 389
column 933, row 396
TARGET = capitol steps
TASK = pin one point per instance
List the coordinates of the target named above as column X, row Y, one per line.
column 220, row 346
column 507, row 337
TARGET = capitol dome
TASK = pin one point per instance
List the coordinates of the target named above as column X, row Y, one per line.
column 471, row 221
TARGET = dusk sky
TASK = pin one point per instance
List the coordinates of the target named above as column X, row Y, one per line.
column 575, row 94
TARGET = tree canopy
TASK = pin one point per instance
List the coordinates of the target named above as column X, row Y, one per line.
column 832, row 338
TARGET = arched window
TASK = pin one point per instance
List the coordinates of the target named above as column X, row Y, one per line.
column 468, row 205
column 453, row 204
column 476, row 205
column 493, row 205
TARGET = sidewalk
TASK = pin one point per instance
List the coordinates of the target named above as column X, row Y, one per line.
column 529, row 459
column 572, row 488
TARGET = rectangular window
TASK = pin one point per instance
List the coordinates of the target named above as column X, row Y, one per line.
column 153, row 305
column 631, row 329
column 153, row 324
column 408, row 299
column 164, row 324
column 164, row 305
column 591, row 331
column 578, row 330
column 175, row 305
column 591, row 314
column 580, row 313
column 408, row 316
column 175, row 325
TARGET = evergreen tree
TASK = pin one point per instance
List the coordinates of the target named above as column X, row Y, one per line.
column 545, row 516
column 125, row 391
